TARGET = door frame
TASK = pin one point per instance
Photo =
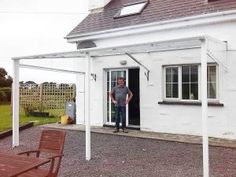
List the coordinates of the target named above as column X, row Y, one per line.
column 127, row 83
column 105, row 70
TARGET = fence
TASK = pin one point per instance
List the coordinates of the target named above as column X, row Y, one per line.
column 47, row 98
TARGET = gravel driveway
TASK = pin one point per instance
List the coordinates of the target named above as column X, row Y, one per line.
column 119, row 156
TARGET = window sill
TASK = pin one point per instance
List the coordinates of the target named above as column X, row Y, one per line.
column 190, row 103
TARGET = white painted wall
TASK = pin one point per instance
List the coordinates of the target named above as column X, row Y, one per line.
column 172, row 118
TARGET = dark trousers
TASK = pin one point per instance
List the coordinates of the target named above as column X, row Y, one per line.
column 120, row 116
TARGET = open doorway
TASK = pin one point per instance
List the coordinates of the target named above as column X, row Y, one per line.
column 134, row 105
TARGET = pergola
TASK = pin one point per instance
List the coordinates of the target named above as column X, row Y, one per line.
column 211, row 50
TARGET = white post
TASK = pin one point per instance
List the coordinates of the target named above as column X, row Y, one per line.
column 87, row 108
column 15, row 104
column 204, row 108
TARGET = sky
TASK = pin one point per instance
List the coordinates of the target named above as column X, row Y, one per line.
column 29, row 27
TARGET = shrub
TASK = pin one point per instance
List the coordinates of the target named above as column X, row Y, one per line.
column 3, row 96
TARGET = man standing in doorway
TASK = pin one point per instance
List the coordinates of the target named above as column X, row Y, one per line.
column 118, row 96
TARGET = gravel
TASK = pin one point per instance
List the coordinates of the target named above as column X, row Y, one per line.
column 120, row 156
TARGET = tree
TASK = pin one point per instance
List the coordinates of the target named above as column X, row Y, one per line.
column 3, row 73
column 5, row 79
column 5, row 86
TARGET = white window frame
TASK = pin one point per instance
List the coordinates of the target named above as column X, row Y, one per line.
column 199, row 82
column 217, row 84
column 180, row 83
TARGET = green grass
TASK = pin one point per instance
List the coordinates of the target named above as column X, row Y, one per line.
column 6, row 118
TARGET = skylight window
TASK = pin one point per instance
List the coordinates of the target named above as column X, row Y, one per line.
column 132, row 9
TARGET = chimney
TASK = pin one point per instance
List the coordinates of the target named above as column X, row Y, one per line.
column 97, row 5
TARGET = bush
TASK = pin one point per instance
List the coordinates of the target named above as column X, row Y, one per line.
column 3, row 96
column 28, row 109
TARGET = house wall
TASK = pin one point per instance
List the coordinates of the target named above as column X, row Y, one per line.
column 172, row 118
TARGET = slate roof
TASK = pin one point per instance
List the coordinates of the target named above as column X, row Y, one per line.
column 156, row 11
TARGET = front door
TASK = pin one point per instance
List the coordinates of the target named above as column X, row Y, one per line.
column 112, row 76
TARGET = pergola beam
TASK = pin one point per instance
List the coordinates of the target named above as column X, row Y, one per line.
column 50, row 69
column 60, row 55
column 155, row 46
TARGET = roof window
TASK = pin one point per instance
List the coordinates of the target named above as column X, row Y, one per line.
column 131, row 9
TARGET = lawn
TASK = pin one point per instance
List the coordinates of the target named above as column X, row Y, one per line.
column 6, row 118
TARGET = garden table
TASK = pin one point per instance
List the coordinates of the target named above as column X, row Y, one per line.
column 12, row 165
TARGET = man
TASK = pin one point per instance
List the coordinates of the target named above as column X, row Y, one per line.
column 119, row 98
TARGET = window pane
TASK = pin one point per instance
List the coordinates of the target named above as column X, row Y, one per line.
column 175, row 91
column 113, row 76
column 131, row 9
column 190, row 82
column 121, row 74
column 168, row 90
column 124, row 74
column 175, row 74
column 118, row 73
column 194, row 92
column 211, row 80
column 185, row 91
column 172, row 82
column 113, row 84
column 211, row 91
column 168, row 74
column 185, row 74
column 211, row 75
column 194, row 74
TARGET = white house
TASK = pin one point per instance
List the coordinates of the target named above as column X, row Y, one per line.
column 157, row 46
column 178, row 58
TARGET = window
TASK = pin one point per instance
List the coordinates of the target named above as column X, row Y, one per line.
column 211, row 82
column 131, row 9
column 182, row 82
column 172, row 82
column 190, row 82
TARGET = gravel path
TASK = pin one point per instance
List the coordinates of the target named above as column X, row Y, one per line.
column 118, row 156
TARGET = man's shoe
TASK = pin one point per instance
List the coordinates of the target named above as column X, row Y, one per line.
column 116, row 131
column 125, row 131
